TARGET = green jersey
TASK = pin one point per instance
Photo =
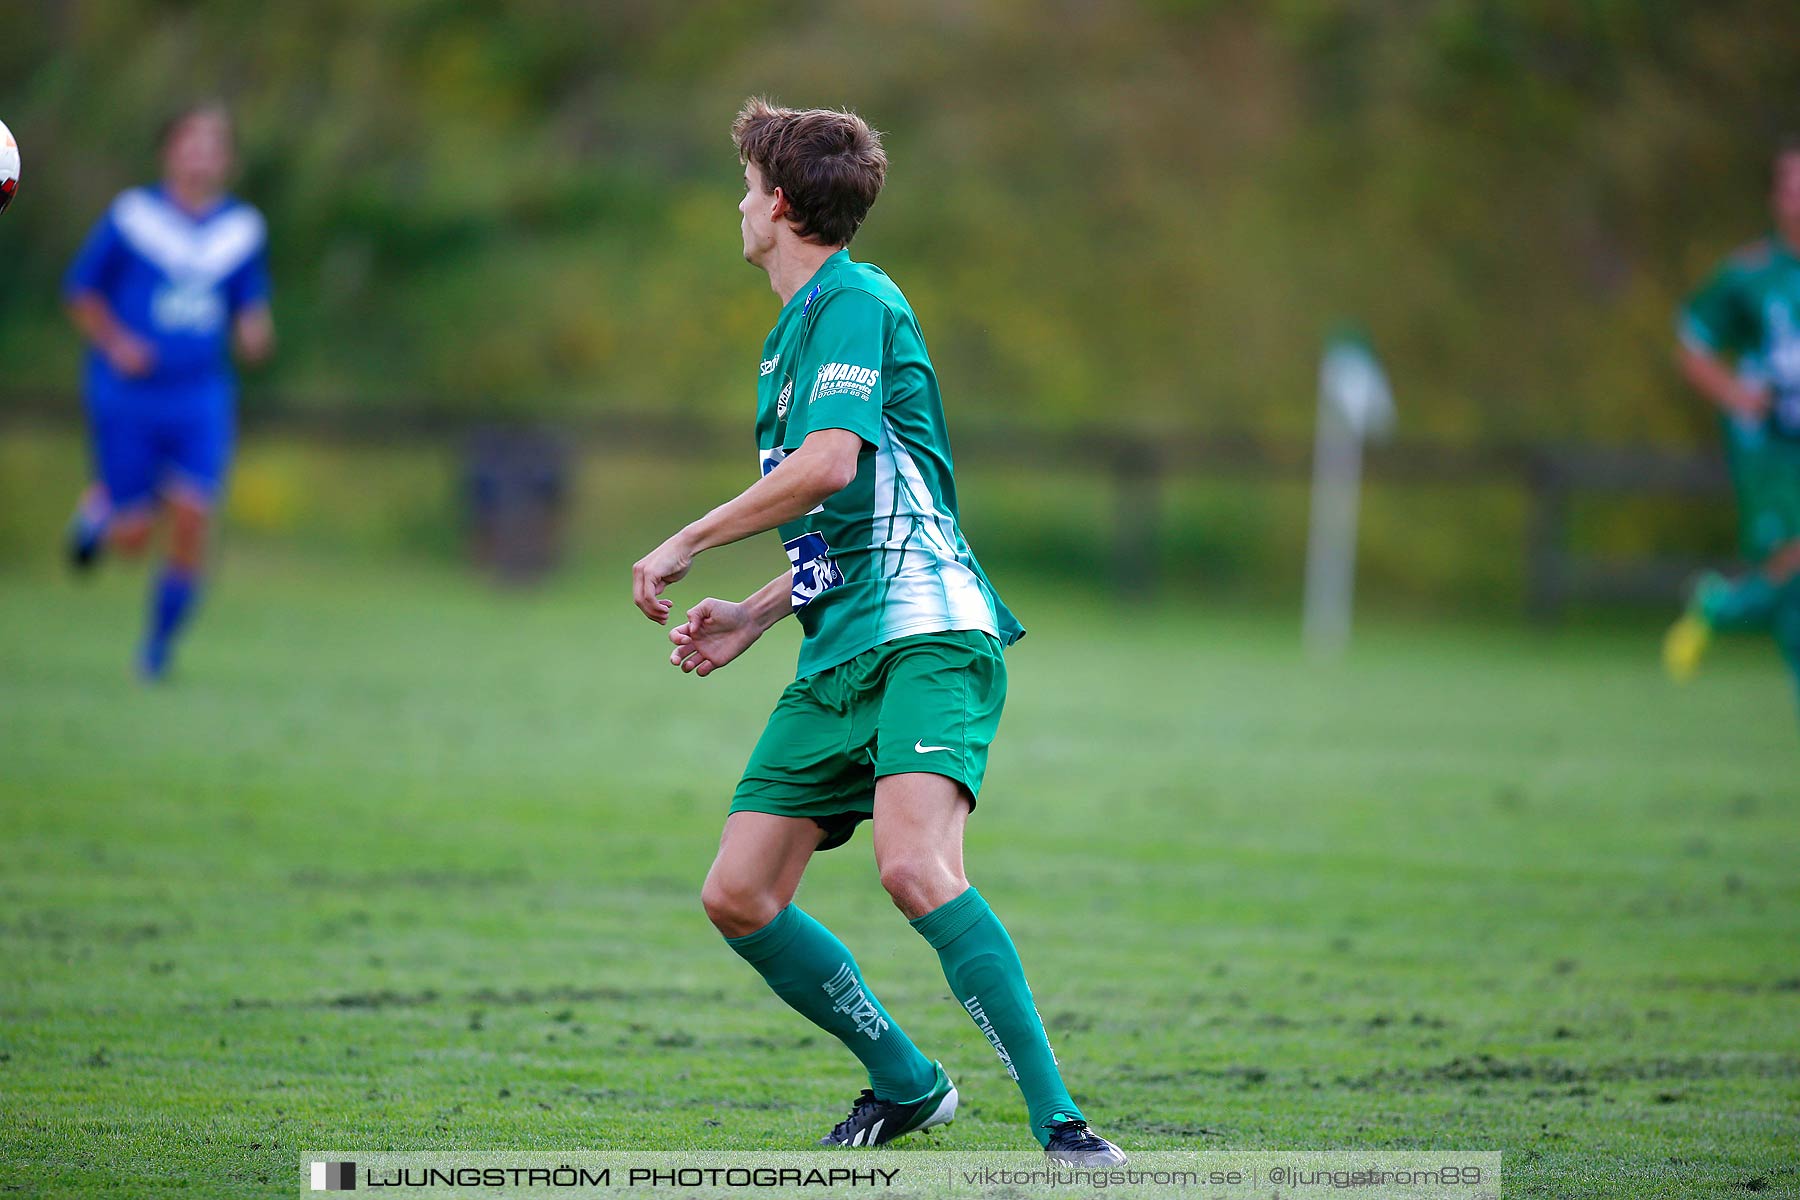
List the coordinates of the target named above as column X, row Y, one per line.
column 883, row 558
column 1750, row 311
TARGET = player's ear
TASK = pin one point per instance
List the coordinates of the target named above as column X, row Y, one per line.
column 780, row 208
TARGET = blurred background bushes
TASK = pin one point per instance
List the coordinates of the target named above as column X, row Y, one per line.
column 1140, row 215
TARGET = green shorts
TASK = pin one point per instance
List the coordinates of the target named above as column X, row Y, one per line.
column 1766, row 475
column 929, row 702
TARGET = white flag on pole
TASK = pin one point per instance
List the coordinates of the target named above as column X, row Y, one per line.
column 1355, row 404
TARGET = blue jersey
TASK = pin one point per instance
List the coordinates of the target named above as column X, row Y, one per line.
column 176, row 279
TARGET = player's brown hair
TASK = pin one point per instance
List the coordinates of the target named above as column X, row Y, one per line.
column 203, row 108
column 828, row 163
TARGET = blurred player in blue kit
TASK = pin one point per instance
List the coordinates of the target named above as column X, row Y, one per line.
column 171, row 276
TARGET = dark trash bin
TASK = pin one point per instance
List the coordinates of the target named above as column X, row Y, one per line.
column 516, row 487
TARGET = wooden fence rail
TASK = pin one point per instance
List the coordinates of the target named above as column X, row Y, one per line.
column 1139, row 466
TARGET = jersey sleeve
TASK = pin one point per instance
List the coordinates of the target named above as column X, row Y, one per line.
column 838, row 384
column 1713, row 319
column 97, row 263
column 248, row 286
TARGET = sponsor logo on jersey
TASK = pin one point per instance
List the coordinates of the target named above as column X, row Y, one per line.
column 185, row 307
column 862, row 375
column 781, row 402
column 814, row 572
column 1782, row 364
column 767, row 366
column 837, row 378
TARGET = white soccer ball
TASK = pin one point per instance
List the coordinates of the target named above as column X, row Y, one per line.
column 9, row 167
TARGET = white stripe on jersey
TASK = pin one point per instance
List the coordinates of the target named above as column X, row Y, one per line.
column 929, row 586
column 200, row 253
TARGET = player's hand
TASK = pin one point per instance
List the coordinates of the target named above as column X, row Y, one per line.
column 655, row 571
column 130, row 355
column 255, row 333
column 1750, row 401
column 715, row 632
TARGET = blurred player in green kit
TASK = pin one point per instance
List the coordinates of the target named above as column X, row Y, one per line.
column 1740, row 347
column 900, row 682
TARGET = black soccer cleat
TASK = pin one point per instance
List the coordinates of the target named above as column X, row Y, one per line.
column 1074, row 1143
column 876, row 1122
column 82, row 544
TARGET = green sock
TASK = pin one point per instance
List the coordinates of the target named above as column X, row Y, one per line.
column 1747, row 602
column 809, row 968
column 987, row 979
column 1787, row 630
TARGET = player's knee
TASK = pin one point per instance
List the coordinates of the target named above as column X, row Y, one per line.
column 188, row 536
column 735, row 910
column 189, row 554
column 130, row 536
column 914, row 881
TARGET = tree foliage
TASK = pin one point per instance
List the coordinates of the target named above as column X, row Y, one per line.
column 1137, row 213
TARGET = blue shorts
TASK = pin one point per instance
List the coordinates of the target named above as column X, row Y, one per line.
column 146, row 444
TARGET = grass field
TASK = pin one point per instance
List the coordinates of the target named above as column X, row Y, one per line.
column 403, row 863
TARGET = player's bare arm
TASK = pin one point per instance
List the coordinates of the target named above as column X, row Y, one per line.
column 823, row 465
column 717, row 631
column 1715, row 380
column 129, row 354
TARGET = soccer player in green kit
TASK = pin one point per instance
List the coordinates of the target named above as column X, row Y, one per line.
column 1740, row 347
column 900, row 681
